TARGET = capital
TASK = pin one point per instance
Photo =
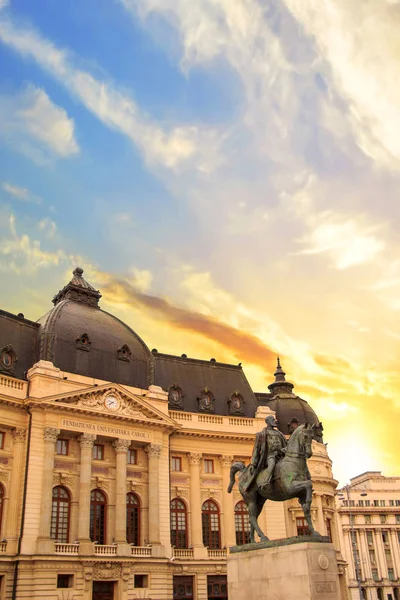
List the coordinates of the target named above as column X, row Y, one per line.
column 18, row 435
column 86, row 440
column 226, row 461
column 50, row 434
column 153, row 450
column 121, row 445
column 194, row 458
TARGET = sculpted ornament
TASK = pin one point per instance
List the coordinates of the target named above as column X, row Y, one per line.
column 226, row 461
column 51, row 434
column 86, row 440
column 19, row 435
column 107, row 571
column 153, row 450
column 194, row 458
column 121, row 445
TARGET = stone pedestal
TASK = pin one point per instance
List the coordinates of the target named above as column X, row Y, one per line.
column 293, row 568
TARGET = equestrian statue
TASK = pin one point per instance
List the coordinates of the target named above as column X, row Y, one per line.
column 278, row 471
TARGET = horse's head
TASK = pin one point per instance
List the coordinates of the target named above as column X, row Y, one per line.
column 301, row 439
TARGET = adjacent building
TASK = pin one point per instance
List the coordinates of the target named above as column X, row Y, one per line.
column 115, row 460
column 369, row 518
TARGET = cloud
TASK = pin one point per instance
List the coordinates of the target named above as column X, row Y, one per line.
column 48, row 227
column 346, row 242
column 22, row 255
column 37, row 127
column 167, row 146
column 20, row 193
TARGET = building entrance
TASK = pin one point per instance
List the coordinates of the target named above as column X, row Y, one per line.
column 103, row 590
column 217, row 587
column 183, row 587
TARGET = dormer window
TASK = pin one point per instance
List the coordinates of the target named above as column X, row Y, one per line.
column 8, row 359
column 175, row 397
column 236, row 404
column 83, row 342
column 206, row 401
column 124, row 353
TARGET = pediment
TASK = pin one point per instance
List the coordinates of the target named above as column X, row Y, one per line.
column 112, row 401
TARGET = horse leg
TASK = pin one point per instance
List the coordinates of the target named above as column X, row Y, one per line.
column 306, row 504
column 254, row 511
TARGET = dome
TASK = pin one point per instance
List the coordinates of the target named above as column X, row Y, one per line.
column 78, row 337
column 286, row 404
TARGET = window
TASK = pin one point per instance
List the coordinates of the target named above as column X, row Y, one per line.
column 382, row 502
column 302, row 526
column 62, row 447
column 370, row 538
column 385, row 538
column 351, row 503
column 391, row 574
column 176, row 463
column 398, row 536
column 388, row 556
column 328, row 529
column 376, row 503
column 98, row 451
column 391, row 502
column 242, row 523
column 382, row 518
column 83, row 342
column 397, row 502
column 367, row 502
column 372, row 557
column 210, row 524
column 65, row 581
column 132, row 456
column 345, row 503
column 217, row 587
column 98, row 503
column 375, row 575
column 352, row 519
column 208, row 465
column 140, row 581
column 361, row 503
column 183, row 587
column 2, row 494
column 59, row 523
column 178, row 524
column 132, row 519
column 367, row 518
column 397, row 517
column 2, row 437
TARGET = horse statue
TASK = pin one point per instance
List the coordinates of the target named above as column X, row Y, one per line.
column 291, row 479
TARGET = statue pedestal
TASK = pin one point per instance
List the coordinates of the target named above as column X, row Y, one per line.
column 294, row 568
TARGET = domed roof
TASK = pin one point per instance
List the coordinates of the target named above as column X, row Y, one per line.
column 285, row 403
column 78, row 337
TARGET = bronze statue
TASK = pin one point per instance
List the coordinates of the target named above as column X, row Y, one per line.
column 288, row 478
column 269, row 447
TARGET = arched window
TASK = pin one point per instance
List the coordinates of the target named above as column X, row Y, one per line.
column 2, row 494
column 59, row 525
column 132, row 519
column 98, row 504
column 242, row 523
column 178, row 524
column 210, row 523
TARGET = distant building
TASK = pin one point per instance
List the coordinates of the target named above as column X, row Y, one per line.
column 114, row 461
column 369, row 517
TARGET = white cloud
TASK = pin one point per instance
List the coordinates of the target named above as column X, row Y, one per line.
column 346, row 242
column 48, row 227
column 34, row 125
column 20, row 193
column 20, row 254
column 169, row 147
column 360, row 44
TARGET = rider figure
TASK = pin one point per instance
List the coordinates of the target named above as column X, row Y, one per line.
column 269, row 446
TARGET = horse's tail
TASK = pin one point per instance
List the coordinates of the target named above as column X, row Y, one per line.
column 237, row 466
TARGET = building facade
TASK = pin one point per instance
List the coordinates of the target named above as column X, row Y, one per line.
column 369, row 518
column 115, row 461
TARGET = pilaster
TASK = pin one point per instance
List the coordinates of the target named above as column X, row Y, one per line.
column 45, row 544
column 16, row 487
column 153, row 451
column 229, row 536
column 121, row 448
column 195, row 506
column 86, row 441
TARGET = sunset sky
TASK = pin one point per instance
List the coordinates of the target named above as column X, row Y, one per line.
column 227, row 173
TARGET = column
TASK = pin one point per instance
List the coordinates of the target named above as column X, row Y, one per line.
column 16, row 486
column 153, row 452
column 50, row 438
column 121, row 449
column 86, row 441
column 195, row 506
column 380, row 554
column 364, row 555
column 395, row 552
column 321, row 527
column 227, row 503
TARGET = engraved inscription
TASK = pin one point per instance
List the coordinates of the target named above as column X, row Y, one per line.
column 326, row 587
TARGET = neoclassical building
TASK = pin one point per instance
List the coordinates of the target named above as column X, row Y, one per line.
column 369, row 520
column 114, row 461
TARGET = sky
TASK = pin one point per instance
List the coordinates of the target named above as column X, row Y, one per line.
column 227, row 173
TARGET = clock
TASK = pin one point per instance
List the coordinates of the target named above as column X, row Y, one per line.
column 111, row 402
